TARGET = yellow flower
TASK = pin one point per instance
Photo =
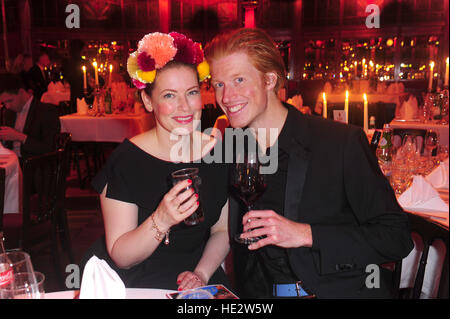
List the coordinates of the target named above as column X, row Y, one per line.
column 132, row 65
column 146, row 77
column 203, row 70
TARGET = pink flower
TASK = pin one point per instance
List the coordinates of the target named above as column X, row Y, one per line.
column 159, row 46
column 146, row 63
column 138, row 84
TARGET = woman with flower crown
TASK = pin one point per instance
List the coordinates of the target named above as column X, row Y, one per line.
column 140, row 207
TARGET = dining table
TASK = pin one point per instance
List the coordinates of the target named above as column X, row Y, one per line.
column 131, row 293
column 13, row 179
column 106, row 127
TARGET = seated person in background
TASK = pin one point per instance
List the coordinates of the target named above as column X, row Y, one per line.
column 139, row 205
column 38, row 77
column 35, row 126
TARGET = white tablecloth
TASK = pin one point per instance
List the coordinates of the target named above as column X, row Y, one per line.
column 441, row 129
column 13, row 173
column 132, row 293
column 107, row 128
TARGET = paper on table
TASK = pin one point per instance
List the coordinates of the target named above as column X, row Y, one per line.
column 439, row 176
column 422, row 196
column 100, row 281
column 82, row 107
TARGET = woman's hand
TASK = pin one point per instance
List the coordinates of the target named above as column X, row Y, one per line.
column 176, row 205
column 189, row 280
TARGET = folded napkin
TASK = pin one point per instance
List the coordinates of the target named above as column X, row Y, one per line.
column 82, row 107
column 100, row 281
column 439, row 176
column 328, row 88
column 296, row 101
column 422, row 195
column 409, row 109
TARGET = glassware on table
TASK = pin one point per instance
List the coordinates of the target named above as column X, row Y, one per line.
column 427, row 110
column 190, row 173
column 442, row 153
column 27, row 285
column 401, row 175
column 431, row 141
column 444, row 107
column 248, row 185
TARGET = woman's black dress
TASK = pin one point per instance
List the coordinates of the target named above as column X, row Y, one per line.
column 134, row 176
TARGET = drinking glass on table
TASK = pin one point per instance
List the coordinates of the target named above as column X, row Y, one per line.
column 192, row 174
column 431, row 142
column 248, row 185
column 12, row 263
column 26, row 285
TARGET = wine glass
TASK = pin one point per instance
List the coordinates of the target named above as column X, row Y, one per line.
column 431, row 141
column 247, row 184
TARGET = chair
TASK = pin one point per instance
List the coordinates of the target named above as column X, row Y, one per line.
column 430, row 233
column 43, row 212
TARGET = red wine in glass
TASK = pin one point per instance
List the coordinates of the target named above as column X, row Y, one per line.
column 248, row 185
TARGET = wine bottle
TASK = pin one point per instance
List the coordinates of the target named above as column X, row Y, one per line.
column 375, row 141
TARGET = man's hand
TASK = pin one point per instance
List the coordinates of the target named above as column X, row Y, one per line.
column 9, row 134
column 279, row 230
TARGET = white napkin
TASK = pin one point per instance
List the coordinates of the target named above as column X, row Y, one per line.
column 82, row 107
column 422, row 195
column 328, row 88
column 296, row 101
column 439, row 176
column 100, row 281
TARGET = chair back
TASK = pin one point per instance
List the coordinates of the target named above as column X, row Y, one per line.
column 2, row 196
column 40, row 189
column 429, row 232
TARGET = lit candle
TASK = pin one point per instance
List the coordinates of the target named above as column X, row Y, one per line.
column 366, row 113
column 96, row 72
column 356, row 69
column 446, row 73
column 324, row 104
column 363, row 67
column 84, row 77
column 346, row 106
column 110, row 74
column 430, row 83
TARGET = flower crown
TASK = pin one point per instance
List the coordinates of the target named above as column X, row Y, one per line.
column 156, row 49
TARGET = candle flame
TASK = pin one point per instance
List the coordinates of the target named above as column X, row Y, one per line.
column 346, row 94
column 83, row 68
column 94, row 64
column 110, row 67
column 324, row 96
column 432, row 64
column 446, row 61
column 365, row 97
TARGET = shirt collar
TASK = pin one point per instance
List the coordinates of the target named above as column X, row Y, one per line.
column 26, row 107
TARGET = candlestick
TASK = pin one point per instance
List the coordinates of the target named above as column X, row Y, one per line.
column 84, row 77
column 324, row 104
column 96, row 72
column 430, row 82
column 446, row 73
column 346, row 106
column 366, row 113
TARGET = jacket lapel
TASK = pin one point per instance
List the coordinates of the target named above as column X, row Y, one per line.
column 299, row 158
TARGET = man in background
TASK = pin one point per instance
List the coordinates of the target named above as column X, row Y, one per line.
column 30, row 127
